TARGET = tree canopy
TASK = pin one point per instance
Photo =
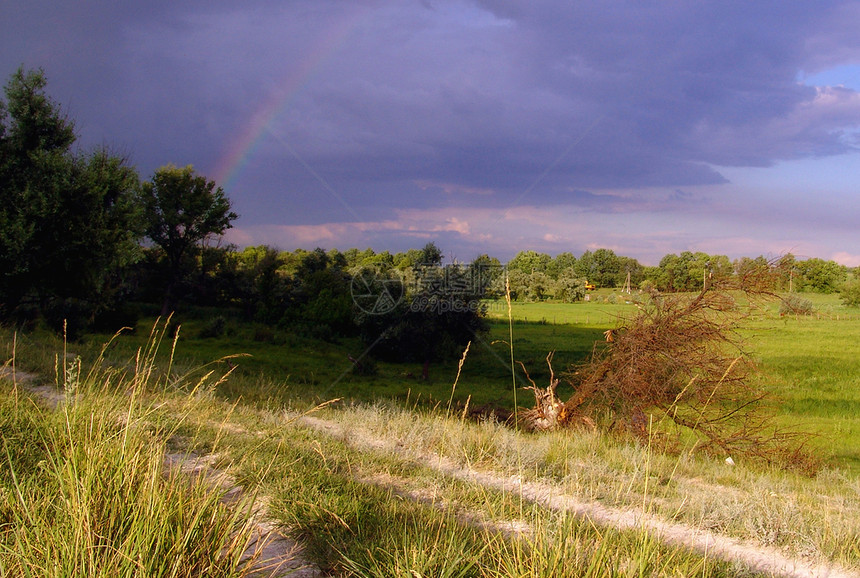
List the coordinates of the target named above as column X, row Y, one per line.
column 181, row 209
column 68, row 219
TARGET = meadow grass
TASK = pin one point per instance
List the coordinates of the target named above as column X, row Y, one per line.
column 283, row 368
column 809, row 363
column 379, row 512
column 84, row 490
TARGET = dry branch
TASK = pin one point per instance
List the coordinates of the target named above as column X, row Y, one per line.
column 680, row 360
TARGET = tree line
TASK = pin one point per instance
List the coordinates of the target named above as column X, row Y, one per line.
column 538, row 276
column 84, row 241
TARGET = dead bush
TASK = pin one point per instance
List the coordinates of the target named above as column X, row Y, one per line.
column 677, row 371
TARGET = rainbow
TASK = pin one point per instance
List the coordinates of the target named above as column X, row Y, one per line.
column 245, row 145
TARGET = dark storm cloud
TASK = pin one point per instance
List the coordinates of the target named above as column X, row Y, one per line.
column 416, row 104
column 606, row 94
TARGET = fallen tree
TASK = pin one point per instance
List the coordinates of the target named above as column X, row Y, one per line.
column 676, row 372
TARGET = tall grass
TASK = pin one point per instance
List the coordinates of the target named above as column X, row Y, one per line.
column 369, row 511
column 85, row 491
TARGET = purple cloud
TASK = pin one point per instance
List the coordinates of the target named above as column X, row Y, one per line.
column 318, row 113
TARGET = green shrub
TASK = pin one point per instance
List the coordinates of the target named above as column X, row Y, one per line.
column 850, row 294
column 794, row 305
column 215, row 328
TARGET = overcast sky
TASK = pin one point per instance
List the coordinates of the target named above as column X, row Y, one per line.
column 486, row 126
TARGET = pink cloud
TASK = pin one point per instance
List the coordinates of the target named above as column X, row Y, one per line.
column 846, row 259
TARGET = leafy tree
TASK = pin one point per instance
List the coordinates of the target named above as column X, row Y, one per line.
column 628, row 265
column 819, row 276
column 721, row 267
column 69, row 223
column 607, row 267
column 684, row 272
column 530, row 262
column 265, row 285
column 321, row 298
column 181, row 210
column 540, row 286
column 650, row 278
column 745, row 265
column 431, row 255
column 601, row 267
column 409, row 259
column 355, row 258
column 529, row 274
column 569, row 287
column 584, row 266
column 336, row 258
column 518, row 284
column 562, row 264
column 488, row 276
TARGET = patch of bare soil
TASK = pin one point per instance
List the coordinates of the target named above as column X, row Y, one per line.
column 753, row 556
column 271, row 553
column 48, row 393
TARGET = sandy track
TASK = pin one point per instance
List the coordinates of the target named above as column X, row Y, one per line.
column 753, row 556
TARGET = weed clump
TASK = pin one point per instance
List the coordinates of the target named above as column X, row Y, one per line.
column 850, row 294
column 794, row 305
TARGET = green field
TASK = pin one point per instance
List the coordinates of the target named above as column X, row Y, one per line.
column 809, row 363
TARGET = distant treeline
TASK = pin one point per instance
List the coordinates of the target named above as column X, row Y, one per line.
column 538, row 276
column 317, row 290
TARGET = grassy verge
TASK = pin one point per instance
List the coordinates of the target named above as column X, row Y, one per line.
column 84, row 490
column 375, row 513
column 818, row 517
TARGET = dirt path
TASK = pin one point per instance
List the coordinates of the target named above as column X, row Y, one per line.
column 274, row 554
column 753, row 556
